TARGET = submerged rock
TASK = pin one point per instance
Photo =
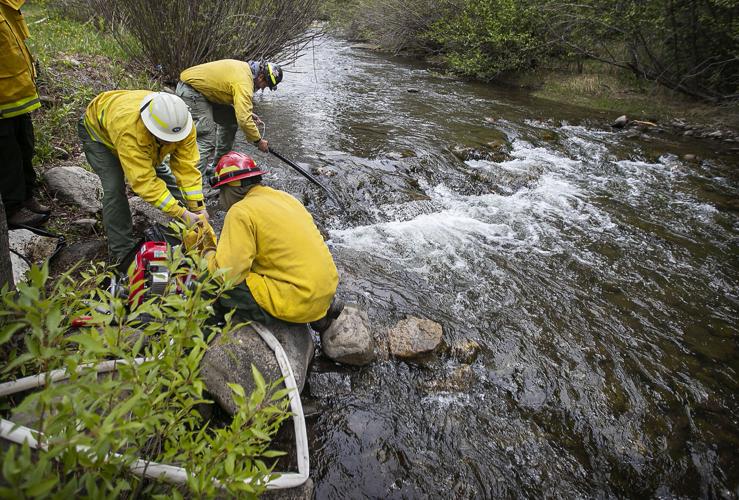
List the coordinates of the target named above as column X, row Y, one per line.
column 465, row 351
column 76, row 185
column 229, row 360
column 413, row 337
column 464, row 153
column 459, row 380
column 348, row 339
column 324, row 385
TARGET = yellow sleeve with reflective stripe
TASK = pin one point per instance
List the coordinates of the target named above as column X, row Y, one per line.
column 236, row 247
column 183, row 161
column 137, row 160
column 243, row 92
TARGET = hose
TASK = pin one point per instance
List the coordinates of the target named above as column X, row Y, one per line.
column 171, row 473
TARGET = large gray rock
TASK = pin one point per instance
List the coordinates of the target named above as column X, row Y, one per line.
column 229, row 360
column 76, row 185
column 348, row 339
column 144, row 214
column 83, row 252
column 33, row 247
column 414, row 337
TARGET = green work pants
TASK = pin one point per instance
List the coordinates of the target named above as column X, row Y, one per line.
column 116, row 211
column 216, row 126
column 245, row 307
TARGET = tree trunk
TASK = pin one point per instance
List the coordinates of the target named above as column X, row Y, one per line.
column 6, row 268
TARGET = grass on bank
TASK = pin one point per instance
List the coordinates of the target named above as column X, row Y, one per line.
column 604, row 88
column 76, row 61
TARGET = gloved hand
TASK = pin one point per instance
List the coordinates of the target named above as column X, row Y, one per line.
column 209, row 241
column 200, row 237
column 190, row 218
column 203, row 214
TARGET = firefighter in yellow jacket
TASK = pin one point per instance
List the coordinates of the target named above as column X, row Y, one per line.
column 18, row 97
column 219, row 95
column 125, row 134
column 271, row 248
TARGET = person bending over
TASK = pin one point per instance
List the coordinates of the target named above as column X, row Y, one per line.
column 125, row 135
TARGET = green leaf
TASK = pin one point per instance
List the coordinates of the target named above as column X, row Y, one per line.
column 282, row 393
column 88, row 341
column 9, row 465
column 237, row 389
column 229, row 465
column 7, row 333
column 273, row 454
column 258, row 379
column 260, row 434
column 43, row 487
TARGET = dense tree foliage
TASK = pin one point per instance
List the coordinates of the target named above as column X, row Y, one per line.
column 687, row 45
column 484, row 39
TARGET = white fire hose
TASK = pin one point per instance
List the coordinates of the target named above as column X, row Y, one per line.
column 170, row 473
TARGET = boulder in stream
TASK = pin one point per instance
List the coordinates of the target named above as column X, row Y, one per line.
column 414, row 338
column 620, row 122
column 76, row 185
column 229, row 360
column 348, row 339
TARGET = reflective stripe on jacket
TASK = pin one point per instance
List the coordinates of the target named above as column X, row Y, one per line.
column 18, row 94
column 227, row 82
column 270, row 241
column 114, row 119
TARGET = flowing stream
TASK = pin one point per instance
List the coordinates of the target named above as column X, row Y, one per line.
column 598, row 271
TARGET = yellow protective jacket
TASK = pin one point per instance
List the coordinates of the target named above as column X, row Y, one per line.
column 114, row 119
column 227, row 82
column 18, row 93
column 270, row 241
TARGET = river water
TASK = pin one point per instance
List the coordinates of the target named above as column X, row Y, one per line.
column 598, row 272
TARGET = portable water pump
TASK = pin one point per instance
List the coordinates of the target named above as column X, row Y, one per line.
column 149, row 274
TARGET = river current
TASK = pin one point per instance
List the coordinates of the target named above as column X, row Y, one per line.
column 597, row 270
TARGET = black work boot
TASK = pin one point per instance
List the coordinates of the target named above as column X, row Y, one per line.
column 36, row 207
column 24, row 217
column 334, row 311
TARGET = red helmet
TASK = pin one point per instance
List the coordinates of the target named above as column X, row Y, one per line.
column 232, row 167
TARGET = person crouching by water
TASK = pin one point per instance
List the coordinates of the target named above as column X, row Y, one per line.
column 271, row 247
column 125, row 134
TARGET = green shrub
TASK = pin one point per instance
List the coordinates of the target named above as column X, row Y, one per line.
column 174, row 35
column 484, row 39
column 94, row 426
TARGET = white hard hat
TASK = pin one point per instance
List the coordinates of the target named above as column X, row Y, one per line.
column 166, row 116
